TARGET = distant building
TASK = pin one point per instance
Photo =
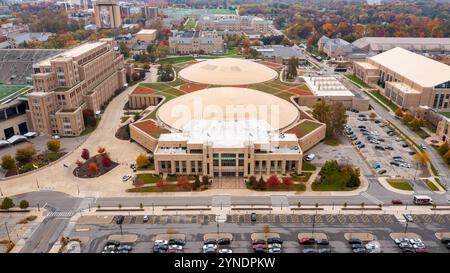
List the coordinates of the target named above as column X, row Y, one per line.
column 280, row 53
column 15, row 39
column 415, row 44
column 13, row 106
column 188, row 42
column 334, row 48
column 408, row 79
column 107, row 14
column 146, row 35
column 150, row 12
column 84, row 77
column 234, row 23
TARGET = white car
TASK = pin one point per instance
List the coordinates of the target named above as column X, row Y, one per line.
column 274, row 246
column 310, row 157
column 126, row 177
column 161, row 242
column 177, row 247
column 398, row 139
column 405, row 165
column 418, row 245
column 225, row 250
column 56, row 137
column 422, row 146
column 275, row 250
column 209, row 246
column 145, row 218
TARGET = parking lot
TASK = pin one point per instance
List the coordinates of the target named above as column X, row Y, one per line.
column 288, row 226
column 381, row 148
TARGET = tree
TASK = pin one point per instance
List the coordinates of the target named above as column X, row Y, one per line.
column 165, row 72
column 54, row 145
column 291, row 70
column 161, row 184
column 330, row 166
column 142, row 161
column 407, row 118
column 372, row 115
column 183, row 183
column 287, row 182
column 252, row 181
column 273, row 181
column 85, row 154
column 447, row 156
column 141, row 206
column 106, row 161
column 124, row 49
column 422, row 158
column 25, row 154
column 24, row 204
column 443, row 148
column 89, row 118
column 205, row 180
column 197, row 184
column 8, row 162
column 101, row 150
column 415, row 124
column 399, row 112
column 354, row 180
column 261, row 184
column 92, row 167
column 333, row 116
column 7, row 203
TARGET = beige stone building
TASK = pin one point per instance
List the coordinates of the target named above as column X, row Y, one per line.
column 107, row 14
column 408, row 79
column 84, row 77
column 234, row 23
column 188, row 42
column 146, row 35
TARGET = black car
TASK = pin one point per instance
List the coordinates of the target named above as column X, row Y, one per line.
column 177, row 242
column 448, row 245
column 355, row 241
column 395, row 163
column 389, row 148
column 404, row 145
column 412, row 153
column 113, row 243
column 361, row 115
column 210, row 241
column 359, row 250
column 362, row 127
column 274, row 241
column 380, row 139
column 408, row 250
column 353, row 246
column 223, row 241
column 362, row 145
column 323, row 242
column 445, row 240
column 157, row 249
column 253, row 217
column 259, row 250
column 119, row 219
column 377, row 121
column 379, row 147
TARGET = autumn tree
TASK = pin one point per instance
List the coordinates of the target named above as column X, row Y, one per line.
column 415, row 124
column 106, row 161
column 287, row 182
column 407, row 118
column 54, row 145
column 85, row 154
column 273, row 182
column 8, row 162
column 79, row 163
column 182, row 183
column 443, row 148
column 165, row 72
column 291, row 69
column 25, row 154
column 447, row 156
column 101, row 150
column 261, row 184
column 422, row 158
column 252, row 181
column 197, row 184
column 372, row 115
column 142, row 161
column 92, row 167
column 399, row 112
column 333, row 116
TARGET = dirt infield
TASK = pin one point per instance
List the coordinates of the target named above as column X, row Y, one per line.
column 192, row 87
column 298, row 91
column 271, row 65
column 149, row 127
column 139, row 90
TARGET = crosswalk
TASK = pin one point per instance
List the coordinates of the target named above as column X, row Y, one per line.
column 65, row 214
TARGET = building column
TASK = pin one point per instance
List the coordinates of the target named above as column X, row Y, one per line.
column 157, row 168
column 283, row 167
column 267, row 167
column 299, row 166
column 172, row 166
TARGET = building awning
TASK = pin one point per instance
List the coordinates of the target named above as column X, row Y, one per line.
column 16, row 139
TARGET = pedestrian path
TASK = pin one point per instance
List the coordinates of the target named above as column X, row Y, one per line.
column 64, row 214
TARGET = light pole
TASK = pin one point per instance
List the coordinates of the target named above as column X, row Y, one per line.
column 406, row 227
column 7, row 231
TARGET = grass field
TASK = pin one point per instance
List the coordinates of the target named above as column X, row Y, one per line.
column 175, row 60
column 357, row 81
column 190, row 24
column 385, row 100
column 11, row 91
column 400, row 184
column 430, row 185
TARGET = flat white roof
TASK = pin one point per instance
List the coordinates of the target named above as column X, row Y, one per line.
column 327, row 87
column 73, row 52
column 233, row 134
column 146, row 31
column 416, row 68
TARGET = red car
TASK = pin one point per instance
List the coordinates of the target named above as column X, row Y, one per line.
column 306, row 241
column 421, row 250
column 397, row 202
column 255, row 246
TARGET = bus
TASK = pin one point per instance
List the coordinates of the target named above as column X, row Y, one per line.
column 422, row 200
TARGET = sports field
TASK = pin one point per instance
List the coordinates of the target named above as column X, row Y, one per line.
column 11, row 91
column 187, row 12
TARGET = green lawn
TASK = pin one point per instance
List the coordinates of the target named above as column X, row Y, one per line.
column 356, row 80
column 168, row 188
column 295, row 187
column 303, row 177
column 306, row 127
column 190, row 24
column 385, row 100
column 431, row 185
column 446, row 114
column 400, row 184
column 175, row 60
column 264, row 88
column 148, row 178
column 177, row 82
column 174, row 92
column 306, row 166
column 420, row 132
column 284, row 95
column 156, row 85
column 333, row 182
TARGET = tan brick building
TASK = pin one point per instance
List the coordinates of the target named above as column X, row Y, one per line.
column 408, row 79
column 188, row 42
column 84, row 77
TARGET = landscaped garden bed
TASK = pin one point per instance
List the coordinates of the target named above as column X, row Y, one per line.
column 335, row 177
column 273, row 183
column 94, row 166
column 400, row 184
column 173, row 183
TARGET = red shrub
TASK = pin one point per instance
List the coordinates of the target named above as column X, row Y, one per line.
column 182, row 183
column 101, row 150
column 85, row 154
column 92, row 167
column 161, row 184
column 79, row 163
column 287, row 182
column 273, row 181
column 106, row 161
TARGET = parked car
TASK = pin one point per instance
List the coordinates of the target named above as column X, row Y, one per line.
column 225, row 250
column 210, row 242
column 263, row 246
column 126, row 177
column 324, row 250
column 274, row 241
column 258, row 241
column 408, row 217
column 408, row 250
column 310, row 157
column 389, row 148
column 259, row 250
column 404, row 245
column 448, row 246
column 353, row 246
column 395, row 163
column 128, row 248
column 445, row 240
column 145, row 219
column 376, row 165
column 355, row 241
column 113, row 243
column 397, row 202
column 362, row 127
column 362, row 145
column 422, row 146
column 359, row 250
column 382, row 171
column 420, row 250
column 306, row 241
column 404, row 145
column 309, row 250
column 322, row 242
column 224, row 241
column 253, row 217
column 379, row 147
column 210, row 246
column 357, row 142
column 412, row 152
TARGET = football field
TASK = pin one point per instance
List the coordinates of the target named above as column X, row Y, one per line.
column 11, row 91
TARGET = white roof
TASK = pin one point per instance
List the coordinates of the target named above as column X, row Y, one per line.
column 416, row 68
column 146, row 31
column 16, row 138
column 232, row 134
column 327, row 87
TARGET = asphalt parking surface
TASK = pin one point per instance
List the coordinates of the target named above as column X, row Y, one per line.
column 288, row 226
